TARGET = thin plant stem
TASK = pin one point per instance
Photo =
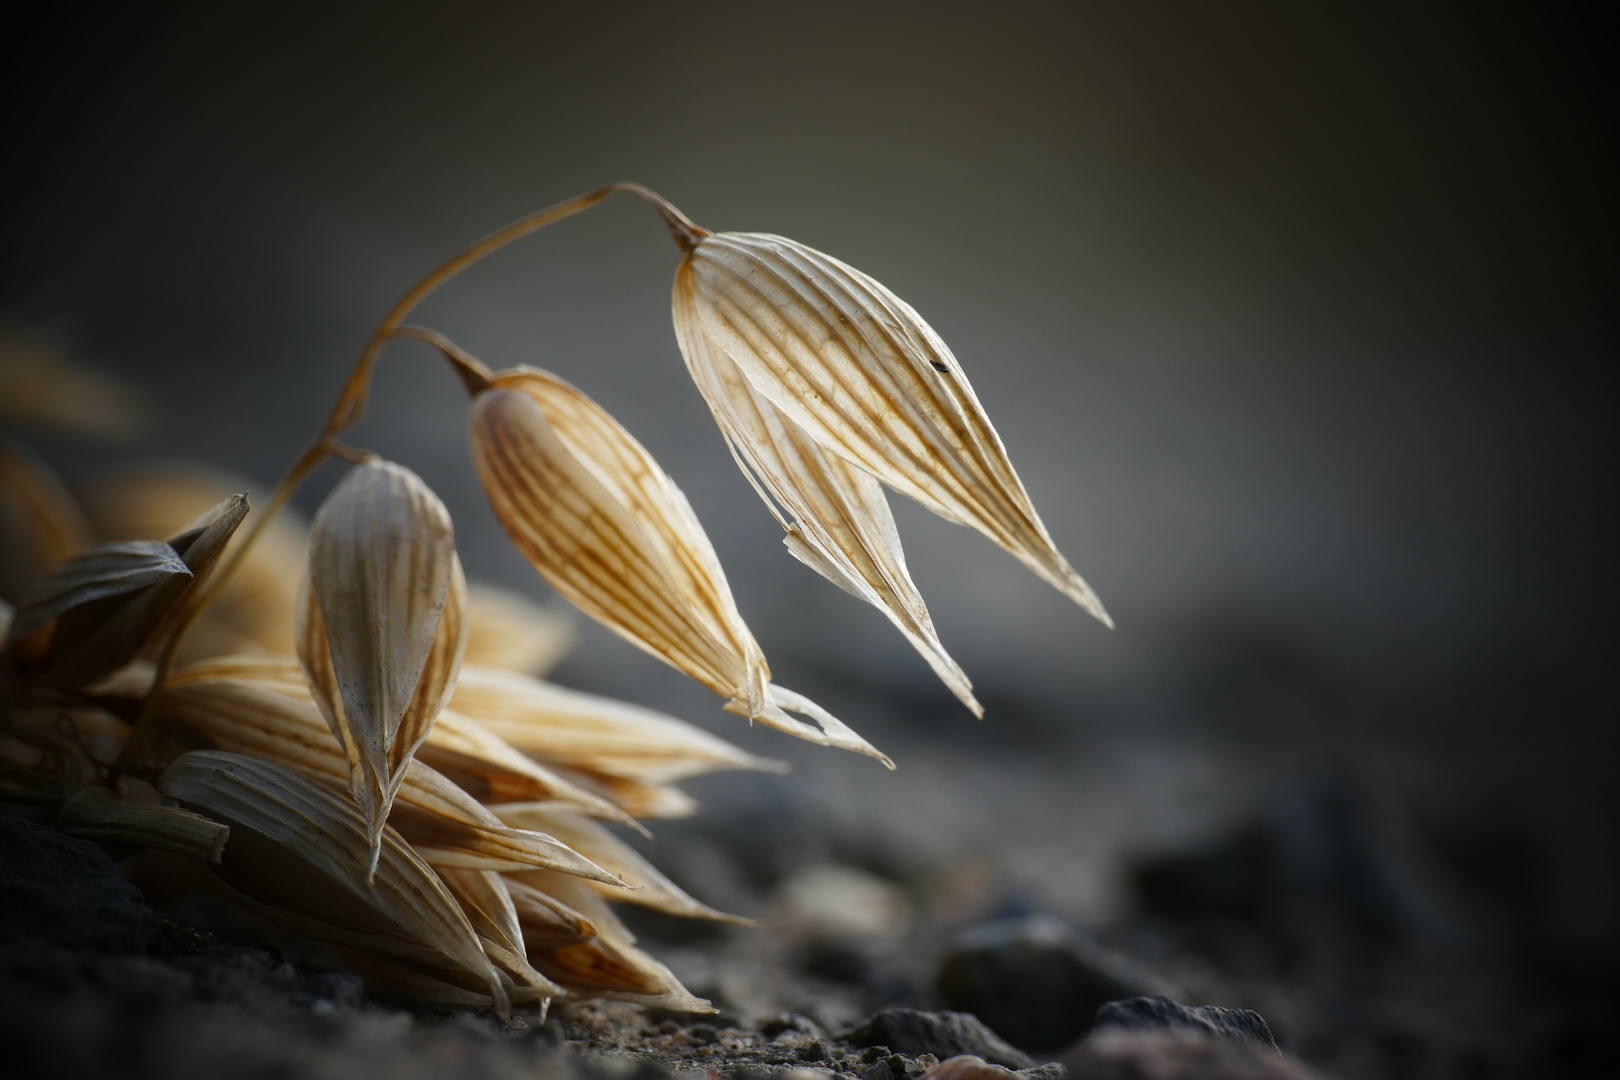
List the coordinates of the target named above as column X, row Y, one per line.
column 350, row 405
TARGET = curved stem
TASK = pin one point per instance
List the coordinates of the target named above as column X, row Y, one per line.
column 351, row 402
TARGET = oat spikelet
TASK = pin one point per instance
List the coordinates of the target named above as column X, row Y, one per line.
column 841, row 524
column 631, row 754
column 297, row 856
column 382, row 626
column 445, row 825
column 867, row 379
column 606, row 526
column 104, row 607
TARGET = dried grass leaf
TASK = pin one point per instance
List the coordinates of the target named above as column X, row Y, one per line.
column 382, row 624
column 841, row 524
column 869, row 380
column 298, row 854
column 606, row 526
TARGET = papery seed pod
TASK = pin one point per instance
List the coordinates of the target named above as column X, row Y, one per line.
column 97, row 814
column 297, row 856
column 648, row 887
column 546, row 922
column 594, row 733
column 487, row 903
column 841, row 525
column 592, row 511
column 101, row 609
column 464, row 751
column 382, row 626
column 445, row 825
column 608, row 964
column 867, row 379
column 256, row 609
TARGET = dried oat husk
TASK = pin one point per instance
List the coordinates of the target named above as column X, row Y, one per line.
column 837, row 518
column 298, row 857
column 628, row 753
column 487, row 902
column 40, row 523
column 107, row 606
column 256, row 610
column 445, row 825
column 607, row 964
column 647, row 886
column 596, row 515
column 382, row 624
column 865, row 377
column 461, row 749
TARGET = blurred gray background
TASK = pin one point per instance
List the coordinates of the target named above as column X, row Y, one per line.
column 1294, row 319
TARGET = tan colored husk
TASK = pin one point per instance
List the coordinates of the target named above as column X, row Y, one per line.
column 508, row 630
column 545, row 921
column 869, row 380
column 607, row 964
column 256, row 610
column 601, row 735
column 606, row 526
column 97, row 631
column 463, row 750
column 382, row 623
column 648, row 887
column 40, row 523
column 102, row 573
column 298, row 856
column 99, row 815
column 487, row 903
column 444, row 824
column 841, row 524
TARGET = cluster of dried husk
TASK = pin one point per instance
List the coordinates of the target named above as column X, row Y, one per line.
column 358, row 745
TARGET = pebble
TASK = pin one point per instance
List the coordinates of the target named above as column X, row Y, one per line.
column 1035, row 981
column 1162, row 1013
column 913, row 1032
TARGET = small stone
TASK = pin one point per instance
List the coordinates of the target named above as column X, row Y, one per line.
column 816, row 1050
column 1162, row 1013
column 879, row 1070
column 1052, row 1070
column 777, row 1023
column 1034, row 981
column 702, row 1033
column 873, row 1053
column 944, row 1034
